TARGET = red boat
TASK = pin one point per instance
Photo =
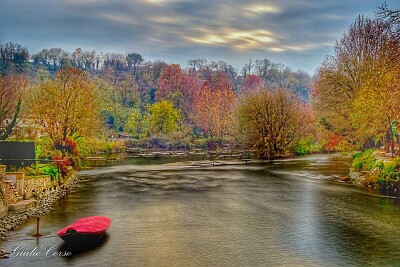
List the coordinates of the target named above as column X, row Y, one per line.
column 85, row 229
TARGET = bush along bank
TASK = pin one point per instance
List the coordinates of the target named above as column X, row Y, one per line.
column 377, row 172
column 13, row 220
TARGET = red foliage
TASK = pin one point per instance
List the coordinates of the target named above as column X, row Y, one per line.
column 174, row 80
column 213, row 106
column 64, row 164
column 251, row 82
column 69, row 145
column 333, row 142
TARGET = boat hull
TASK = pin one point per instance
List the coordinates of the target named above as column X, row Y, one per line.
column 81, row 238
column 85, row 230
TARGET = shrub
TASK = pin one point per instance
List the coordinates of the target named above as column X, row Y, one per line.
column 49, row 170
column 65, row 164
column 306, row 146
column 364, row 161
column 42, row 169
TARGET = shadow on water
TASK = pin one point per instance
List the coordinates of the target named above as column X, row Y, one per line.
column 82, row 247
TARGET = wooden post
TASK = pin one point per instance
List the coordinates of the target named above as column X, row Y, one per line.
column 37, row 226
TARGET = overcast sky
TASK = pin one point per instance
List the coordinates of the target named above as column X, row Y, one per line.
column 297, row 33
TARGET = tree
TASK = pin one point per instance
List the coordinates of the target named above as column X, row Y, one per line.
column 126, row 88
column 247, row 68
column 163, row 118
column 115, row 61
column 355, row 90
column 13, row 57
column 392, row 16
column 251, row 82
column 197, row 64
column 179, row 88
column 77, row 60
column 136, row 124
column 134, row 60
column 262, row 67
column 66, row 107
column 52, row 59
column 152, row 71
column 213, row 106
column 88, row 59
column 12, row 87
column 272, row 120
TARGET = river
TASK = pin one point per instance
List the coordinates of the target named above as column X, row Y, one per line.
column 290, row 212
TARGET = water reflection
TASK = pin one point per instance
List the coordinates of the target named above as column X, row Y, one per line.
column 280, row 213
column 71, row 250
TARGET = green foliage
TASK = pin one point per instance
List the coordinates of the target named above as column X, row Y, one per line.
column 384, row 174
column 49, row 170
column 110, row 147
column 44, row 148
column 136, row 124
column 65, row 164
column 364, row 161
column 163, row 118
column 387, row 172
column 306, row 146
column 108, row 118
column 89, row 146
column 42, row 169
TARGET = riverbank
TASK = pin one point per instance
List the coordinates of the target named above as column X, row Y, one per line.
column 13, row 220
column 377, row 170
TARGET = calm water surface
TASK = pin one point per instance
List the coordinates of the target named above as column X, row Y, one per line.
column 285, row 213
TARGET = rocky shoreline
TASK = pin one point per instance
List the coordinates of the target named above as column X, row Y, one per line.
column 13, row 220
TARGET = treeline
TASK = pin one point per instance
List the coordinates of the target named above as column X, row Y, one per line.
column 166, row 105
column 17, row 58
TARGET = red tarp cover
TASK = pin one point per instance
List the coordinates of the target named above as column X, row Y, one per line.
column 90, row 225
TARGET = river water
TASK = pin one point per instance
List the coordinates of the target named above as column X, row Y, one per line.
column 284, row 213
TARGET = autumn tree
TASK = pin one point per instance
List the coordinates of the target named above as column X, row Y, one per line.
column 66, row 107
column 136, row 123
column 355, row 91
column 12, row 87
column 251, row 82
column 272, row 121
column 163, row 118
column 391, row 16
column 213, row 106
column 126, row 90
column 179, row 88
column 152, row 71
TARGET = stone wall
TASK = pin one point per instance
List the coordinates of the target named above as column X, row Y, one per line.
column 8, row 193
column 17, row 178
column 2, row 171
column 35, row 185
column 3, row 206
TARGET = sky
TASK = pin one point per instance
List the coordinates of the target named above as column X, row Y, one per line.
column 296, row 33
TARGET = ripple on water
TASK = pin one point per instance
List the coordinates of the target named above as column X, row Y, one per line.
column 281, row 214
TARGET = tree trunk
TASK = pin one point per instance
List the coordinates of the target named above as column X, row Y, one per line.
column 392, row 142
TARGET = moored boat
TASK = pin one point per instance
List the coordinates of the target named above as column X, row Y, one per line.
column 86, row 229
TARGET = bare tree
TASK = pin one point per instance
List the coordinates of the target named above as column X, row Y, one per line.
column 272, row 121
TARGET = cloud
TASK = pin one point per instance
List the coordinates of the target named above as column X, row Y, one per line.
column 284, row 30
